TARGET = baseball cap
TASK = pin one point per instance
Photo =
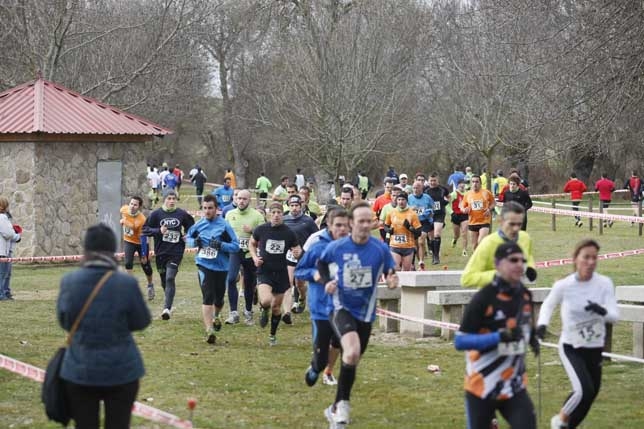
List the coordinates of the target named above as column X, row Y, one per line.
column 403, row 176
column 507, row 249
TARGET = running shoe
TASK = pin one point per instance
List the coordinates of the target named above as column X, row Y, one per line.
column 329, row 379
column 295, row 308
column 454, row 242
column 272, row 340
column 211, row 338
column 248, row 317
column 311, row 377
column 263, row 320
column 286, row 318
column 421, row 266
column 342, row 411
column 556, row 423
column 494, row 424
column 150, row 292
column 233, row 318
column 610, row 223
column 216, row 323
column 328, row 413
column 580, row 224
column 464, row 252
column 165, row 314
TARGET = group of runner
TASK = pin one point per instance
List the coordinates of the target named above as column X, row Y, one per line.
column 336, row 270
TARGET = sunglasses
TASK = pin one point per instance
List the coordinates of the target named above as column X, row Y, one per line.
column 517, row 259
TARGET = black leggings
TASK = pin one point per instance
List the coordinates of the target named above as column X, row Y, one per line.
column 323, row 336
column 84, row 404
column 213, row 286
column 518, row 411
column 584, row 369
column 130, row 249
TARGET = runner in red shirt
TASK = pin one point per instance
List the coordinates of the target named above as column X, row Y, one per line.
column 634, row 184
column 605, row 187
column 576, row 188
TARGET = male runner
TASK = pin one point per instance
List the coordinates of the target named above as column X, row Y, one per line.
column 423, row 204
column 440, row 196
column 268, row 246
column 459, row 218
column 320, row 304
column 576, row 188
column 478, row 204
column 132, row 221
column 350, row 268
column 281, row 194
column 263, row 186
column 244, row 219
column 404, row 227
column 520, row 195
column 166, row 224
column 406, row 187
column 605, row 187
column 382, row 201
column 216, row 240
column 224, row 194
column 635, row 187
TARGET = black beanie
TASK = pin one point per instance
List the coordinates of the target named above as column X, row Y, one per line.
column 100, row 238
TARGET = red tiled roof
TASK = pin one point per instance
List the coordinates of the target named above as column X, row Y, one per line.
column 46, row 107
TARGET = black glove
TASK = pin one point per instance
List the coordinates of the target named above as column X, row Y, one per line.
column 511, row 335
column 388, row 229
column 534, row 343
column 417, row 232
column 198, row 242
column 215, row 243
column 531, row 274
column 407, row 225
column 540, row 332
column 595, row 308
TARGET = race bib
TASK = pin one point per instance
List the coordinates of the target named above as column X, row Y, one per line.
column 400, row 238
column 357, row 278
column 419, row 210
column 128, row 231
column 290, row 257
column 511, row 349
column 275, row 247
column 243, row 244
column 171, row 236
column 208, row 253
column 477, row 205
column 584, row 333
column 437, row 205
column 225, row 198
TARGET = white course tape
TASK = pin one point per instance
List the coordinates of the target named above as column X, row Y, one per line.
column 138, row 409
column 567, row 195
column 454, row 327
column 594, row 215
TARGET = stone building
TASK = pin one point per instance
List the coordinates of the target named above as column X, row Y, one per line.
column 68, row 161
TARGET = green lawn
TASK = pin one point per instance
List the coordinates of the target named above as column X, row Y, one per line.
column 242, row 382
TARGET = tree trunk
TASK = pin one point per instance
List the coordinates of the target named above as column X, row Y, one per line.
column 583, row 165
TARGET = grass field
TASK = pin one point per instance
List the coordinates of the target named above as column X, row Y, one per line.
column 243, row 383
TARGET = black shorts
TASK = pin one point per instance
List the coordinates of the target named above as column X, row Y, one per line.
column 129, row 249
column 605, row 203
column 402, row 251
column 343, row 322
column 277, row 280
column 458, row 219
column 439, row 217
column 213, row 286
column 477, row 228
column 162, row 261
column 426, row 226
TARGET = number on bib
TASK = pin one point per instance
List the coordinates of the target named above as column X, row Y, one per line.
column 243, row 244
column 208, row 253
column 437, row 205
column 275, row 247
column 586, row 332
column 290, row 257
column 171, row 236
column 128, row 231
column 477, row 205
column 400, row 238
column 357, row 278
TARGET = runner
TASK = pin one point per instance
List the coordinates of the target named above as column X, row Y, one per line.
column 199, row 180
column 232, row 205
column 132, row 221
column 303, row 226
column 520, row 195
column 576, row 188
column 479, row 270
column 478, row 204
column 497, row 325
column 406, row 187
column 281, row 194
column 230, row 175
column 360, row 260
column 299, row 179
column 364, row 184
column 309, row 207
column 459, row 219
column 404, row 227
column 455, row 177
column 224, row 194
column 243, row 220
column 588, row 303
column 382, row 201
column 263, row 186
column 605, row 187
column 154, row 181
column 216, row 240
column 326, row 345
column 170, row 183
column 635, row 186
column 440, row 196
column 178, row 173
column 268, row 246
column 395, row 191
column 165, row 224
column 423, row 205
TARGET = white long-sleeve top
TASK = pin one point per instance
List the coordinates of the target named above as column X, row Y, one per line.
column 581, row 328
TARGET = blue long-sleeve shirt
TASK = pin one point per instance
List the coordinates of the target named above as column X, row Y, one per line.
column 214, row 229
column 320, row 302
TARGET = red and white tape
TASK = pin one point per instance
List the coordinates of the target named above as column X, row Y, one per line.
column 568, row 261
column 594, row 215
column 567, row 195
column 73, row 258
column 138, row 409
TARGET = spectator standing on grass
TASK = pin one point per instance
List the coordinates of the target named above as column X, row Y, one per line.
column 605, row 187
column 576, row 189
column 9, row 236
column 588, row 302
column 102, row 362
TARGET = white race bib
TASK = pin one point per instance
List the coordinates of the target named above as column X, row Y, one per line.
column 243, row 244
column 225, row 198
column 208, row 253
column 128, row 231
column 511, row 349
column 290, row 257
column 584, row 333
column 400, row 238
column 171, row 236
column 275, row 247
column 477, row 205
column 437, row 205
column 357, row 278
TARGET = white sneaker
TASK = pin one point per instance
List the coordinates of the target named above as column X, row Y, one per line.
column 233, row 318
column 328, row 413
column 165, row 314
column 342, row 411
column 329, row 379
column 556, row 423
column 248, row 317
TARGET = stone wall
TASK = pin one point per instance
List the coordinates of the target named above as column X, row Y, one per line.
column 55, row 182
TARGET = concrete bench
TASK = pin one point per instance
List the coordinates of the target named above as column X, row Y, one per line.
column 414, row 286
column 632, row 312
column 389, row 300
column 453, row 302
